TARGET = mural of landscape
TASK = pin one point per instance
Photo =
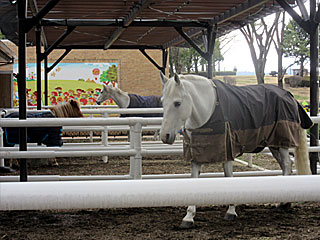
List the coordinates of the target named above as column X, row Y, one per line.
column 79, row 81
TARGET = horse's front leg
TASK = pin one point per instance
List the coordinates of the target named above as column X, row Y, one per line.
column 187, row 221
column 231, row 213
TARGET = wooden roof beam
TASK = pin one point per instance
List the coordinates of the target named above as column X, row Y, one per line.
column 232, row 13
column 236, row 11
column 118, row 23
column 127, row 21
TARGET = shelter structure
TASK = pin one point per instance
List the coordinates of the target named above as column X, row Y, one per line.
column 139, row 24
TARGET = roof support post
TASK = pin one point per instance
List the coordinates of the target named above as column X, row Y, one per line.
column 66, row 52
column 310, row 25
column 211, row 40
column 22, row 15
column 38, row 53
column 192, row 43
column 47, row 70
column 164, row 60
column 46, row 80
column 302, row 23
column 314, row 84
column 317, row 16
column 59, row 40
column 143, row 51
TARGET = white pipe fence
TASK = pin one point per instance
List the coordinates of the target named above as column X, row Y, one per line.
column 157, row 193
column 35, row 178
column 155, row 190
column 135, row 151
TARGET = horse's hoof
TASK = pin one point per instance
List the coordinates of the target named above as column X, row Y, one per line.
column 186, row 225
column 230, row 217
column 284, row 206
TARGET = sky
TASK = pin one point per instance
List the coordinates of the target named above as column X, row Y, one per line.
column 238, row 55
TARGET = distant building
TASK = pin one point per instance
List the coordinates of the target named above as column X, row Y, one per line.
column 297, row 72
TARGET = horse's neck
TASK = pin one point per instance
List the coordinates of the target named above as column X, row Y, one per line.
column 122, row 99
column 204, row 98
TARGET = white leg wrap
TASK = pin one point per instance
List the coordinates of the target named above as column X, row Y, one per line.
column 232, row 210
column 191, row 212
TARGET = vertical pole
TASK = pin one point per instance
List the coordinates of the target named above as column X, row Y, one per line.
column 314, row 85
column 211, row 40
column 46, row 80
column 209, row 53
column 105, row 138
column 164, row 60
column 22, row 14
column 135, row 142
column 38, row 53
column 1, row 145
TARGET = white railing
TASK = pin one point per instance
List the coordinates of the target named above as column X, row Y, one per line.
column 157, row 191
column 136, row 150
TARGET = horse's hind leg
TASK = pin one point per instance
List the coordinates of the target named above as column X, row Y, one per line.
column 231, row 213
column 283, row 158
column 187, row 221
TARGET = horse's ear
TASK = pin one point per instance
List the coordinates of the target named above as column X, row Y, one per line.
column 177, row 79
column 163, row 78
column 73, row 103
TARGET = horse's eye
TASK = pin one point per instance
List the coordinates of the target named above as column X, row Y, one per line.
column 177, row 104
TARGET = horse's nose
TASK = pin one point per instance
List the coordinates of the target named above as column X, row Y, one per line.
column 98, row 103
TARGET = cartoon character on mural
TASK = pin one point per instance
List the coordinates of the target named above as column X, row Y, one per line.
column 61, row 89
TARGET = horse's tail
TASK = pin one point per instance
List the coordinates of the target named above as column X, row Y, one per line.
column 302, row 155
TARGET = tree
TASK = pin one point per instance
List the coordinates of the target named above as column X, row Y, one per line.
column 296, row 44
column 259, row 39
column 279, row 34
column 217, row 57
column 186, row 59
column 175, row 64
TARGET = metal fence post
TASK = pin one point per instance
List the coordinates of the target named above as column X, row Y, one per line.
column 135, row 143
column 105, row 138
column 91, row 132
column 1, row 145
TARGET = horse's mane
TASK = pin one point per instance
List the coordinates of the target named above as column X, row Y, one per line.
column 191, row 77
column 68, row 109
column 118, row 90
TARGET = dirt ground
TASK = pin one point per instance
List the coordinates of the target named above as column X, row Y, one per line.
column 263, row 222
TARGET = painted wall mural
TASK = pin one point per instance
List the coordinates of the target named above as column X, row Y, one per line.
column 79, row 81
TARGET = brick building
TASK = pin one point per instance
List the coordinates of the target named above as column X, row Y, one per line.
column 136, row 73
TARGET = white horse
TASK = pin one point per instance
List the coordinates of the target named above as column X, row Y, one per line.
column 190, row 101
column 127, row 100
column 120, row 97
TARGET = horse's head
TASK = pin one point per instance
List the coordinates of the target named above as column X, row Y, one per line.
column 177, row 107
column 68, row 109
column 105, row 94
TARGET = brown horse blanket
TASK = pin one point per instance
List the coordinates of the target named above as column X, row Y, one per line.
column 246, row 120
column 137, row 101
